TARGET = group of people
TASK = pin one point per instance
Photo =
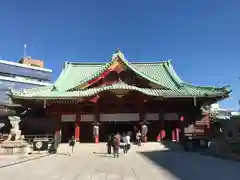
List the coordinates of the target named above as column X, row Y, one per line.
column 117, row 142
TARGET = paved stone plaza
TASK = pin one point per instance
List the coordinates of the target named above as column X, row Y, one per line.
column 150, row 162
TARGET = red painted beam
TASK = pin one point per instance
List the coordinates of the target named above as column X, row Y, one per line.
column 94, row 99
column 104, row 74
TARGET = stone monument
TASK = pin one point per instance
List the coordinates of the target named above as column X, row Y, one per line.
column 15, row 142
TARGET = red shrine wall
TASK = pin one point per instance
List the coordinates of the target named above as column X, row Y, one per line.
column 76, row 120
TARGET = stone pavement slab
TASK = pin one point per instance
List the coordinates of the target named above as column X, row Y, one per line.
column 150, row 162
column 9, row 160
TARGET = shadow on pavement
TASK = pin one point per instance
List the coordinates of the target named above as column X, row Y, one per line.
column 99, row 153
column 103, row 154
column 23, row 160
column 106, row 155
column 204, row 151
column 173, row 162
column 191, row 165
column 172, row 146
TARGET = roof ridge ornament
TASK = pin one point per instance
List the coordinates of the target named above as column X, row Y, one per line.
column 118, row 54
column 118, row 50
column 169, row 61
column 65, row 64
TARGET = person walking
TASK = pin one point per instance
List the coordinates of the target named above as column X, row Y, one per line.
column 128, row 142
column 117, row 140
column 72, row 142
column 138, row 138
column 109, row 144
column 124, row 143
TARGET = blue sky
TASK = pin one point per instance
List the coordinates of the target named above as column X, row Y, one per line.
column 201, row 37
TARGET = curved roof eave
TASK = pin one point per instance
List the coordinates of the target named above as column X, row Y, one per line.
column 118, row 86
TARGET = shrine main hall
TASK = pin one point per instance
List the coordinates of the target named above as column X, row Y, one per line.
column 117, row 96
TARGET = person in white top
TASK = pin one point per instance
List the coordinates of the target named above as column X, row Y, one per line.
column 123, row 143
column 127, row 142
column 138, row 138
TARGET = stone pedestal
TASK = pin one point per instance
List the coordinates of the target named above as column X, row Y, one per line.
column 15, row 142
column 14, row 147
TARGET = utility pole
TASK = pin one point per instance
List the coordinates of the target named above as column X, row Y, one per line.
column 25, row 51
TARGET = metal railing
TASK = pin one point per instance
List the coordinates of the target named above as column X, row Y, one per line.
column 31, row 137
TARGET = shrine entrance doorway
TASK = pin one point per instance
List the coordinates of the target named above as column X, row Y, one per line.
column 113, row 127
column 67, row 131
column 119, row 122
column 121, row 127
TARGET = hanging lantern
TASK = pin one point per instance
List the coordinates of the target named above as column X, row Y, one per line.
column 182, row 118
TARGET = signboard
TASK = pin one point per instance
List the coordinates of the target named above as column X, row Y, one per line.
column 120, row 117
column 68, row 118
column 40, row 145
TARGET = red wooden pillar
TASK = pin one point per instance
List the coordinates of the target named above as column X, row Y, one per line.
column 77, row 128
column 163, row 134
column 162, row 128
column 208, row 121
column 96, row 128
column 58, row 131
column 177, row 134
column 173, row 135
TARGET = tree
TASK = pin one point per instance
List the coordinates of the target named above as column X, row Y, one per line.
column 206, row 110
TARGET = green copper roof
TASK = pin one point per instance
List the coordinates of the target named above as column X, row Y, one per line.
column 75, row 74
column 160, row 73
column 181, row 92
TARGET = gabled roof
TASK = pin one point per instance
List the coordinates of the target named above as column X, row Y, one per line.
column 77, row 74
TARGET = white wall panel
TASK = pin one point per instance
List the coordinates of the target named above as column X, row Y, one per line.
column 171, row 116
column 120, row 117
column 152, row 117
column 68, row 118
column 87, row 117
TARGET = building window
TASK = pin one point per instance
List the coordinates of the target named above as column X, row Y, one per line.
column 6, row 74
column 229, row 113
column 35, row 65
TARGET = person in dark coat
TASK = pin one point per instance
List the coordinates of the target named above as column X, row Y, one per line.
column 109, row 144
column 72, row 142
